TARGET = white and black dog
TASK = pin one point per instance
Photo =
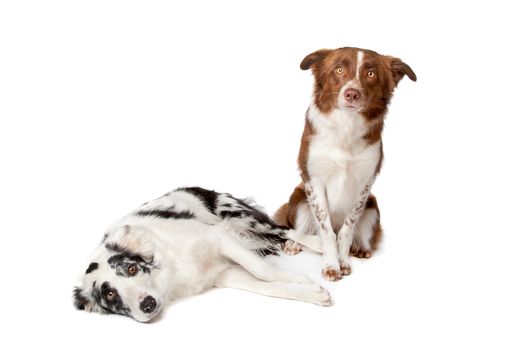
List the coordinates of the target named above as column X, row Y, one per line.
column 182, row 244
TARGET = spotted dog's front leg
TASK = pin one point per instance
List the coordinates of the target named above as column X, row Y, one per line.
column 318, row 205
column 347, row 231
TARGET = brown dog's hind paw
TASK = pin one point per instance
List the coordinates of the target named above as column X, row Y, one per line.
column 360, row 253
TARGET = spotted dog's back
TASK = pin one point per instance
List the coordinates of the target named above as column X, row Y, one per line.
column 259, row 233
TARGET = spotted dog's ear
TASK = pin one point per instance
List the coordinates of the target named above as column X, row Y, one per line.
column 133, row 240
column 79, row 300
column 400, row 69
column 313, row 58
column 82, row 302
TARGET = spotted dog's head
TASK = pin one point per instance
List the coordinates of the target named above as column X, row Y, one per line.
column 355, row 79
column 121, row 277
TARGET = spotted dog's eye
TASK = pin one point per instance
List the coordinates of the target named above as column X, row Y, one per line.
column 340, row 70
column 110, row 295
column 132, row 270
column 371, row 74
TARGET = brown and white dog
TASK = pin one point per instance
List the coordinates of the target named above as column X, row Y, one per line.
column 341, row 154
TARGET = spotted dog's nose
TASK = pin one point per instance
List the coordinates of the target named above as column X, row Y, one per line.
column 352, row 95
column 148, row 305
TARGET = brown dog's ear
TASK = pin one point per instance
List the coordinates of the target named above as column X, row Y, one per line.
column 400, row 69
column 313, row 58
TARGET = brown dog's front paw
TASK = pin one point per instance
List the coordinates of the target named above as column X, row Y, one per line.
column 332, row 274
column 345, row 269
column 291, row 247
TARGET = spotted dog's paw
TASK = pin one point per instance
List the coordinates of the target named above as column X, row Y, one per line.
column 291, row 247
column 331, row 274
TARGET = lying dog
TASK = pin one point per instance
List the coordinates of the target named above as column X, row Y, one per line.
column 182, row 244
column 341, row 154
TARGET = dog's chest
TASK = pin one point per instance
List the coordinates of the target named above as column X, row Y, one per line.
column 343, row 163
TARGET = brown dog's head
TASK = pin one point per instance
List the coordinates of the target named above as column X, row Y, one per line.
column 355, row 79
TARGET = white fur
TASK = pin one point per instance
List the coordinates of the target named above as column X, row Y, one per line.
column 354, row 83
column 340, row 160
column 360, row 55
column 341, row 165
column 189, row 256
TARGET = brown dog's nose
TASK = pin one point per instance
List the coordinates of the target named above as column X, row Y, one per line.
column 352, row 95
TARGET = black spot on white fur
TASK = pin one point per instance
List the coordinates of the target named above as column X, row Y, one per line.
column 115, row 247
column 262, row 228
column 114, row 306
column 209, row 198
column 120, row 263
column 166, row 214
column 92, row 267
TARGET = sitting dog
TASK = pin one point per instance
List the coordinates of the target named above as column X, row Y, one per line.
column 182, row 244
column 341, row 154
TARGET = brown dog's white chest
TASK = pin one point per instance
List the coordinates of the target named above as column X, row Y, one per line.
column 340, row 160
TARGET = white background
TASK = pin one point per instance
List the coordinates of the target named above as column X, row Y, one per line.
column 106, row 104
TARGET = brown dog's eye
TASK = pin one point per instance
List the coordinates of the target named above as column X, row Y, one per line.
column 339, row 70
column 132, row 270
column 110, row 295
column 371, row 74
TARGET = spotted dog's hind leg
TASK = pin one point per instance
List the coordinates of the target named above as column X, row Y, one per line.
column 230, row 248
column 291, row 247
column 239, row 278
column 305, row 241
